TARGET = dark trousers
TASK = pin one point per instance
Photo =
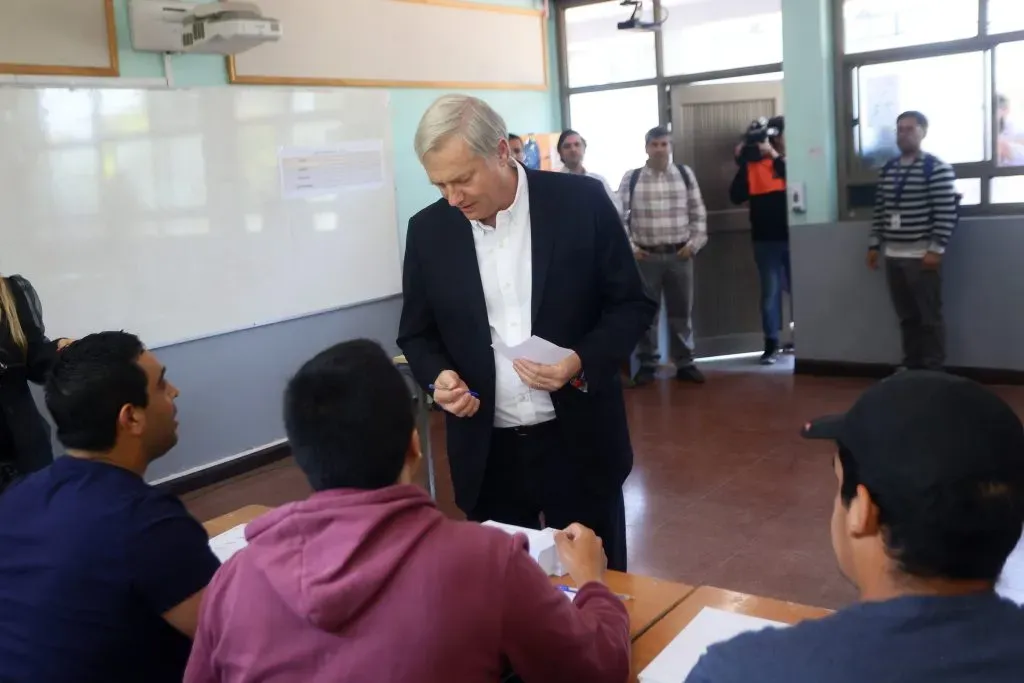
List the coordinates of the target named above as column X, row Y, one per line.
column 917, row 297
column 528, row 475
column 772, row 260
column 672, row 275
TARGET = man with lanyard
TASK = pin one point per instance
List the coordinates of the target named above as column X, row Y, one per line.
column 915, row 214
column 667, row 222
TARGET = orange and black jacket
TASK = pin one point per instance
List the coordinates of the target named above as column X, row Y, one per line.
column 763, row 184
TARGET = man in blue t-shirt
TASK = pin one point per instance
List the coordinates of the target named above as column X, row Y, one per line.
column 101, row 575
column 930, row 505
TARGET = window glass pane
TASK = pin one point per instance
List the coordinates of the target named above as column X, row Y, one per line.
column 712, row 35
column 970, row 191
column 1007, row 190
column 1010, row 97
column 883, row 24
column 759, row 78
column 598, row 52
column 614, row 122
column 956, row 115
column 1005, row 15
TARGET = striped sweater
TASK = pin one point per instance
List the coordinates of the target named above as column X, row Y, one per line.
column 926, row 207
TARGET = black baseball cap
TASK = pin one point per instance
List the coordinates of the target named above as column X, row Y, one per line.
column 919, row 433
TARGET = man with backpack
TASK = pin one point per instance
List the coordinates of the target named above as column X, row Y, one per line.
column 666, row 219
column 916, row 209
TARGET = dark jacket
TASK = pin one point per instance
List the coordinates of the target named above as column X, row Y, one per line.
column 763, row 184
column 587, row 295
column 24, row 434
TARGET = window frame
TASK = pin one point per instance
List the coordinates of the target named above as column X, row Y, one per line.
column 845, row 77
column 663, row 82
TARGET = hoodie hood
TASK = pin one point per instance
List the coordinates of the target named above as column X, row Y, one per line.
column 330, row 556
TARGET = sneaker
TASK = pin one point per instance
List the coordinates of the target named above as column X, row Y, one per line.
column 642, row 377
column 789, row 348
column 690, row 373
column 770, row 355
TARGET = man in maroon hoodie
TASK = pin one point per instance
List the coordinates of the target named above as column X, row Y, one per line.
column 366, row 580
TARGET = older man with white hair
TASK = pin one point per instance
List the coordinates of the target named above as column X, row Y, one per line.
column 505, row 254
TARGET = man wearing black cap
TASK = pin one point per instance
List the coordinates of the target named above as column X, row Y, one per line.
column 930, row 504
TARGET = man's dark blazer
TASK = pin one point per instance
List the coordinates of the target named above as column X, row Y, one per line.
column 587, row 295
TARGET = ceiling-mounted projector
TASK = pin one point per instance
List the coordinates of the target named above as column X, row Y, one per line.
column 636, row 22
column 220, row 28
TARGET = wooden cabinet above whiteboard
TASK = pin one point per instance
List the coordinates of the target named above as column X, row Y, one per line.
column 58, row 37
column 399, row 43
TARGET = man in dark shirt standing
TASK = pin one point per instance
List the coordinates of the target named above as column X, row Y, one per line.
column 930, row 504
column 761, row 181
column 101, row 575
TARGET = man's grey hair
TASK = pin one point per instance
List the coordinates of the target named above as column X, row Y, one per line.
column 470, row 118
column 656, row 133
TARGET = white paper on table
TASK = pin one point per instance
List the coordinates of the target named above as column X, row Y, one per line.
column 709, row 627
column 228, row 543
column 533, row 349
column 1011, row 582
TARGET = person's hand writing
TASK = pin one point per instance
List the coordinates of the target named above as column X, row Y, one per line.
column 452, row 394
column 582, row 554
column 873, row 259
column 547, row 377
column 931, row 261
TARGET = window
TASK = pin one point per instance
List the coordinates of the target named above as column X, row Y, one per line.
column 1005, row 15
column 1009, row 104
column 598, row 52
column 883, row 24
column 970, row 191
column 1007, row 190
column 710, row 35
column 614, row 122
column 956, row 115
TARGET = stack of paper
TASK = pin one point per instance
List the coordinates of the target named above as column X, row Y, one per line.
column 541, row 543
column 1011, row 583
column 709, row 627
column 228, row 543
column 536, row 349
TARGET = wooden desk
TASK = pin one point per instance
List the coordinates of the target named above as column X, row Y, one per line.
column 651, row 599
column 219, row 525
column 661, row 634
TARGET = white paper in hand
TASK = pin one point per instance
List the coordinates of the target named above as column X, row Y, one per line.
column 533, row 349
column 228, row 543
column 709, row 627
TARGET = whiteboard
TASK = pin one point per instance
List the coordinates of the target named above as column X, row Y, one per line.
column 448, row 44
column 166, row 213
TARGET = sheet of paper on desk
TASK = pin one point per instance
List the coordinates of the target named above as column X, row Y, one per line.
column 709, row 627
column 534, row 349
column 1011, row 582
column 228, row 543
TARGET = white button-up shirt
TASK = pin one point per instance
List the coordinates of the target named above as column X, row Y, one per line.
column 612, row 194
column 505, row 256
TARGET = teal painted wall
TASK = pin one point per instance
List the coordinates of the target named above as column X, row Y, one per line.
column 810, row 106
column 525, row 111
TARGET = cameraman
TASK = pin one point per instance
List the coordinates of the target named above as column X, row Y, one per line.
column 761, row 181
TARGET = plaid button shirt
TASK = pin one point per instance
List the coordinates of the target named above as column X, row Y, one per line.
column 663, row 210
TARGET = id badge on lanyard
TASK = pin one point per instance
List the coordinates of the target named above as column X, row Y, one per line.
column 901, row 185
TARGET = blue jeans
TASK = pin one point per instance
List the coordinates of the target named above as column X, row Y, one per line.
column 772, row 260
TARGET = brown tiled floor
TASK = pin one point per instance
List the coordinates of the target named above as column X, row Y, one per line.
column 723, row 492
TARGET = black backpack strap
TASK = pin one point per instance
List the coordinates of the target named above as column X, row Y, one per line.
column 34, row 305
column 685, row 171
column 634, row 178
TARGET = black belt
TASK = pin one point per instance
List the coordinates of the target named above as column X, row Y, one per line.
column 527, row 430
column 662, row 248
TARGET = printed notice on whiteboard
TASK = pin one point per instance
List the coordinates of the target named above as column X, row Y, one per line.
column 331, row 169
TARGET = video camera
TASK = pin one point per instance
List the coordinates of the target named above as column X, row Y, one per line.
column 759, row 131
